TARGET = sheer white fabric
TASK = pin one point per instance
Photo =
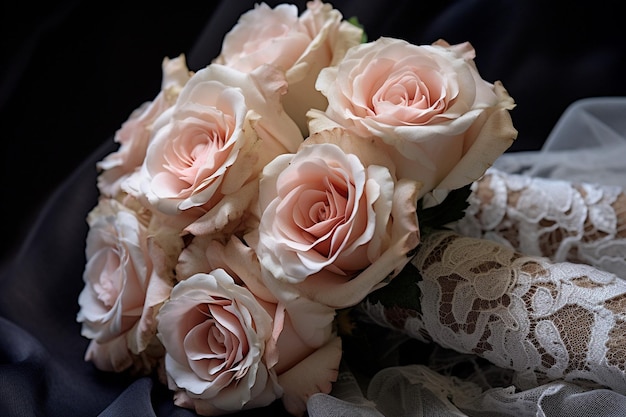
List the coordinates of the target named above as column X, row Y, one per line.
column 419, row 391
column 531, row 282
column 588, row 144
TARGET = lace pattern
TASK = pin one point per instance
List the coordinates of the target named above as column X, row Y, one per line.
column 544, row 320
column 574, row 222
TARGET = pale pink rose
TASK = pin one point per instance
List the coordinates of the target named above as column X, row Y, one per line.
column 201, row 166
column 308, row 351
column 134, row 135
column 299, row 45
column 427, row 104
column 264, row 35
column 335, row 223
column 220, row 342
column 123, row 288
column 314, row 321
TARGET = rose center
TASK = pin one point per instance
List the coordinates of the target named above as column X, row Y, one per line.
column 325, row 213
column 201, row 148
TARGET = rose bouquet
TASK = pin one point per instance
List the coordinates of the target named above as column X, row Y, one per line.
column 254, row 205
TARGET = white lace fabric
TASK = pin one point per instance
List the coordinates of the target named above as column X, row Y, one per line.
column 544, row 320
column 549, row 330
column 575, row 222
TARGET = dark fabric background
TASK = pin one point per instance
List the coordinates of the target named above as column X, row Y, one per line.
column 72, row 71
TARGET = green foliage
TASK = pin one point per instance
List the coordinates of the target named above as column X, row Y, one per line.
column 355, row 21
column 450, row 210
column 402, row 291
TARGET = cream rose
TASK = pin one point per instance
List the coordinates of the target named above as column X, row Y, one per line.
column 224, row 347
column 135, row 133
column 428, row 105
column 335, row 223
column 201, row 165
column 314, row 320
column 123, row 289
column 218, row 339
column 299, row 45
column 305, row 349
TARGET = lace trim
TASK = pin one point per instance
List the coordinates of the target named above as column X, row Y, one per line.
column 580, row 223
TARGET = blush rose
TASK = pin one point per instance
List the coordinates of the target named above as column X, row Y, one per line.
column 201, row 166
column 314, row 320
column 307, row 347
column 335, row 223
column 225, row 347
column 216, row 335
column 123, row 288
column 299, row 45
column 426, row 104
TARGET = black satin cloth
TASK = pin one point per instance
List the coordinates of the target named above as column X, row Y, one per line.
column 62, row 100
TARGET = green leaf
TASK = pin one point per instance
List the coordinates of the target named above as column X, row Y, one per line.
column 355, row 21
column 449, row 210
column 402, row 291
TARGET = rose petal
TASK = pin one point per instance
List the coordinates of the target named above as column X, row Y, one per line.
column 111, row 356
column 314, row 374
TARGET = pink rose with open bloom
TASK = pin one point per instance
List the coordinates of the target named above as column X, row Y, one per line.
column 428, row 105
column 204, row 254
column 201, row 165
column 299, row 45
column 135, row 133
column 124, row 288
column 307, row 347
column 335, row 223
column 224, row 346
